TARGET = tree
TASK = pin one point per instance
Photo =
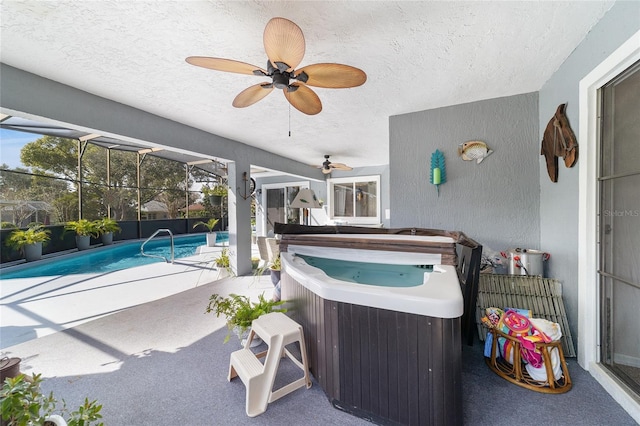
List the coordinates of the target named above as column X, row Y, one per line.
column 52, row 154
column 14, row 184
column 161, row 179
column 26, row 192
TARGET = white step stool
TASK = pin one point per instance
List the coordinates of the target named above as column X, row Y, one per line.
column 277, row 330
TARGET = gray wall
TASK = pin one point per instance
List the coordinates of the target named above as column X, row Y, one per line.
column 508, row 200
column 495, row 202
column 559, row 201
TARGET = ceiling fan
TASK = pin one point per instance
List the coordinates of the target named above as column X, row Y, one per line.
column 328, row 166
column 285, row 46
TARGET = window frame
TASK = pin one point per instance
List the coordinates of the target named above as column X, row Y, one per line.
column 354, row 180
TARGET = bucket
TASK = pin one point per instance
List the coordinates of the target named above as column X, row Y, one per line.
column 9, row 367
column 525, row 261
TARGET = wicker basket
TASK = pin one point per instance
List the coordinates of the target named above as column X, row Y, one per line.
column 516, row 373
column 542, row 296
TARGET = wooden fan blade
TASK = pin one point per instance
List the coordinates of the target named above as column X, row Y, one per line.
column 304, row 99
column 284, row 43
column 252, row 94
column 340, row 166
column 227, row 65
column 333, row 76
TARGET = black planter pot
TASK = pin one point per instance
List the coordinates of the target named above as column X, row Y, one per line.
column 215, row 200
column 275, row 277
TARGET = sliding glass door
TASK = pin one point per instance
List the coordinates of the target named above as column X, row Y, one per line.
column 277, row 200
column 619, row 228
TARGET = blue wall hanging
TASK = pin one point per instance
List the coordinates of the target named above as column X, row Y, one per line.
column 438, row 174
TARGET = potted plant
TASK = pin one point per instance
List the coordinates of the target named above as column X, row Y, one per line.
column 29, row 241
column 223, row 261
column 210, row 225
column 84, row 229
column 24, row 404
column 215, row 194
column 274, row 267
column 240, row 311
column 255, row 262
column 106, row 228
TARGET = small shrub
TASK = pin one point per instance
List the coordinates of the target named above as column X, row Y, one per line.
column 24, row 404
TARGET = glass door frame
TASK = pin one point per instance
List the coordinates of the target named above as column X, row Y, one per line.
column 284, row 185
column 588, row 252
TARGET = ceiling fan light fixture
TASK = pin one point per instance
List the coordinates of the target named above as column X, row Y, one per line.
column 284, row 45
column 303, row 77
column 282, row 67
column 328, row 166
column 281, row 80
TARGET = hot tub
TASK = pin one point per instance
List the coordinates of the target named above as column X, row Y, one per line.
column 385, row 353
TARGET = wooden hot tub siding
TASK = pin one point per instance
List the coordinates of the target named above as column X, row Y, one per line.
column 390, row 367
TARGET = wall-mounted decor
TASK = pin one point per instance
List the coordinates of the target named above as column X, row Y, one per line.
column 559, row 141
column 438, row 174
column 474, row 150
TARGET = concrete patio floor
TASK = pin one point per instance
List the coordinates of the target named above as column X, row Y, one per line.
column 140, row 343
column 35, row 307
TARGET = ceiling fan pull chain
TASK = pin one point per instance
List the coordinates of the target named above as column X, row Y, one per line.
column 289, row 120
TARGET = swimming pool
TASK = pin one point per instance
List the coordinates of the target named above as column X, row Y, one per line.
column 111, row 258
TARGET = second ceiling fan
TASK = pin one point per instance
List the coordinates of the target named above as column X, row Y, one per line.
column 328, row 166
column 285, row 46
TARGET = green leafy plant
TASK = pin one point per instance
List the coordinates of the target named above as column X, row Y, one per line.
column 106, row 225
column 23, row 404
column 83, row 227
column 220, row 190
column 240, row 311
column 210, row 224
column 271, row 266
column 255, row 261
column 223, row 261
column 7, row 225
column 35, row 233
column 275, row 265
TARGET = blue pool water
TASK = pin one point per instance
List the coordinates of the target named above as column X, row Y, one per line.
column 112, row 258
column 385, row 275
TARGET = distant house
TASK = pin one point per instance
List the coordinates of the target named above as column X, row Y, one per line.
column 193, row 209
column 154, row 210
column 22, row 213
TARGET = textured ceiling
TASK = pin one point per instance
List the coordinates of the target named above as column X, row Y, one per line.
column 417, row 56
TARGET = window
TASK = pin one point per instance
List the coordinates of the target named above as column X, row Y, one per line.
column 354, row 200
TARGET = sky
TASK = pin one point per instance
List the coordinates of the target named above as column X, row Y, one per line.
column 11, row 142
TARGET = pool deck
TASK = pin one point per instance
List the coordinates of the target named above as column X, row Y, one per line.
column 145, row 350
column 35, row 307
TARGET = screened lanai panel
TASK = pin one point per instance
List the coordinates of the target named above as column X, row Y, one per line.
column 205, row 163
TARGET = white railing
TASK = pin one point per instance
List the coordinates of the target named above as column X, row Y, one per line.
column 157, row 255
